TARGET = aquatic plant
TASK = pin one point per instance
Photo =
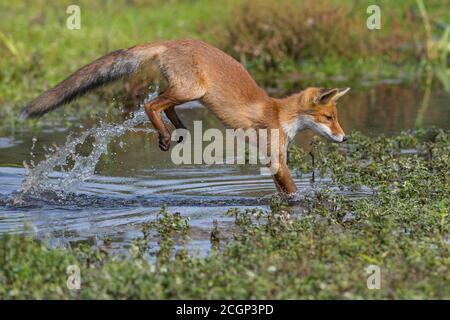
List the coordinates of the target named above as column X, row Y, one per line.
column 319, row 248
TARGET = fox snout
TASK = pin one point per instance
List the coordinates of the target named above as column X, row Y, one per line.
column 336, row 133
column 328, row 132
column 340, row 138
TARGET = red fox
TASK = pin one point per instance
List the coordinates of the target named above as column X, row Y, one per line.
column 195, row 70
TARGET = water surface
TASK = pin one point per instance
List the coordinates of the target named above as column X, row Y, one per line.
column 111, row 177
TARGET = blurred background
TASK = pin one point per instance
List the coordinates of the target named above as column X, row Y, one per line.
column 399, row 73
column 286, row 45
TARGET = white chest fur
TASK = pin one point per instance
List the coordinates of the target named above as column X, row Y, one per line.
column 299, row 124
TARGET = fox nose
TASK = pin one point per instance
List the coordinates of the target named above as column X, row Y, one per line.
column 345, row 138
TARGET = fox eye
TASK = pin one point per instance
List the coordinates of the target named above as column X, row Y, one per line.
column 329, row 118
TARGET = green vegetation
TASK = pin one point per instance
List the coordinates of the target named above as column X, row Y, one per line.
column 38, row 50
column 319, row 248
column 285, row 45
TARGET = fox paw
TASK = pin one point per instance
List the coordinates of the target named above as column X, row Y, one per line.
column 164, row 142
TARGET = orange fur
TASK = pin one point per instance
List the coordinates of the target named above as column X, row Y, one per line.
column 195, row 70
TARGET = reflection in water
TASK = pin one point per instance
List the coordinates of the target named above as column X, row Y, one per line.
column 426, row 97
column 389, row 109
column 133, row 178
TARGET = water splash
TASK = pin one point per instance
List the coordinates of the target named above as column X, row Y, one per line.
column 38, row 180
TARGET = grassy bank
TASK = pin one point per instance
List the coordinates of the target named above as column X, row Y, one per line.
column 319, row 249
column 286, row 44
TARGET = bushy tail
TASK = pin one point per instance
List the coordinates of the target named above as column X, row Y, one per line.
column 106, row 69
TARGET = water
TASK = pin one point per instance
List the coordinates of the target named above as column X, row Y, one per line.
column 92, row 180
column 37, row 177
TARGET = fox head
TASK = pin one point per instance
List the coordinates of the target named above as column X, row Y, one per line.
column 315, row 109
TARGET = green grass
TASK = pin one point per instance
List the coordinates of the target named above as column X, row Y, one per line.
column 38, row 50
column 327, row 41
column 320, row 253
column 45, row 51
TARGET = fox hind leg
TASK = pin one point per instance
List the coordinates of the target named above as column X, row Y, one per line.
column 166, row 102
column 153, row 110
column 176, row 121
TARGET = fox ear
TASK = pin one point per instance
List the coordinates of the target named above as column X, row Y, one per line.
column 327, row 95
column 340, row 93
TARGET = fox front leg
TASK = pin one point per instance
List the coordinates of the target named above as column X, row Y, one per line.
column 278, row 166
column 284, row 181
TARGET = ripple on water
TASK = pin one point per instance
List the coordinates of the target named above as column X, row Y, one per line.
column 75, row 204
